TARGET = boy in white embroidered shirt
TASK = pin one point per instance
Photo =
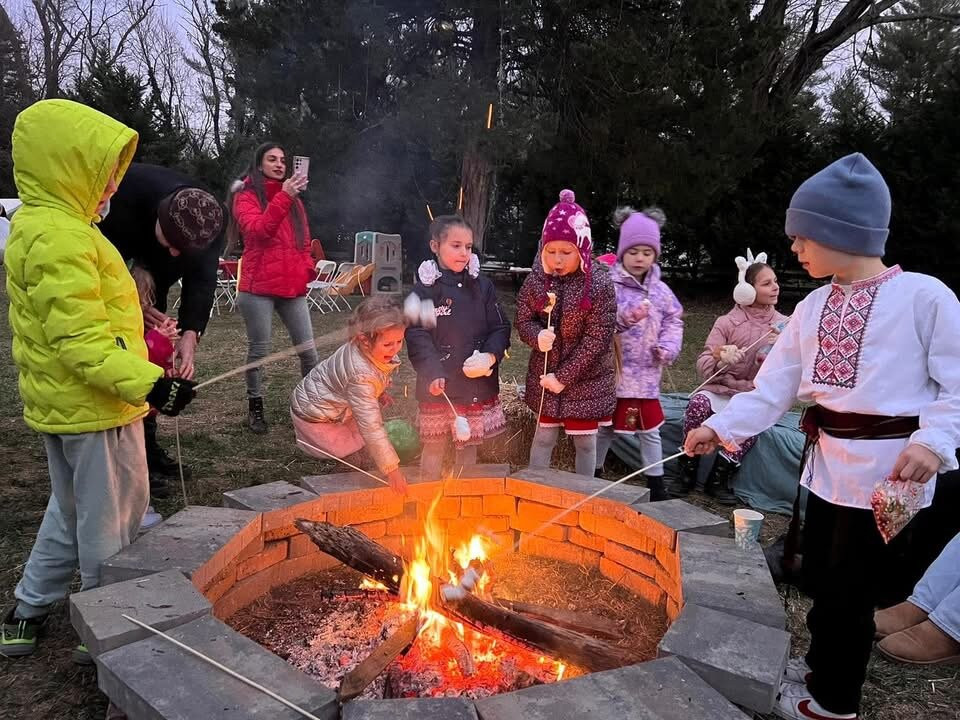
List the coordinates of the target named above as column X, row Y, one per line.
column 875, row 354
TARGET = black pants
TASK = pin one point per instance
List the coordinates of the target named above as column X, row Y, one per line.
column 845, row 563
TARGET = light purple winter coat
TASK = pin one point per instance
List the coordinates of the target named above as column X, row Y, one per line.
column 649, row 318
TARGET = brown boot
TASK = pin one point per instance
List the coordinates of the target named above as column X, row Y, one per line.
column 897, row 618
column 923, row 644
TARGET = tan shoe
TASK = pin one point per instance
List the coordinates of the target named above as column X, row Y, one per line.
column 897, row 618
column 923, row 644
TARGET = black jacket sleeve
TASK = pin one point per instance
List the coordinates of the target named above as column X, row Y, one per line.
column 498, row 340
column 199, row 285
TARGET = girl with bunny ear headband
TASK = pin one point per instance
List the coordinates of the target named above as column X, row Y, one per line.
column 745, row 293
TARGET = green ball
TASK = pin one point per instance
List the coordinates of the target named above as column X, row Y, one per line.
column 404, row 439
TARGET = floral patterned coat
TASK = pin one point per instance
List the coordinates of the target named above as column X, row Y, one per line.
column 582, row 355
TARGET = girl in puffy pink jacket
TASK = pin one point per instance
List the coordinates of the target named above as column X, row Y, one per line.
column 735, row 349
column 650, row 332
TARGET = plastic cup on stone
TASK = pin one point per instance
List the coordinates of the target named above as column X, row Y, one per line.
column 746, row 526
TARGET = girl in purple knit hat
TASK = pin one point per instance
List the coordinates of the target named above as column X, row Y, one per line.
column 567, row 312
column 650, row 332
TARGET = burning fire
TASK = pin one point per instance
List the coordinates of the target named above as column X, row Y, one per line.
column 435, row 557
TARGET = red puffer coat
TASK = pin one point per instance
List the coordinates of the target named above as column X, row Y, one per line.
column 272, row 262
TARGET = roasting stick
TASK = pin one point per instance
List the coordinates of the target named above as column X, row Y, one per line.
column 601, row 491
column 723, row 368
column 551, row 302
column 176, row 431
column 334, row 457
column 219, row 666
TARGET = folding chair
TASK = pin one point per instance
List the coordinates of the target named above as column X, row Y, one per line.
column 343, row 284
column 318, row 287
column 364, row 275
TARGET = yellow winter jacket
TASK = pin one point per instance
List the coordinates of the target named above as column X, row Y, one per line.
column 76, row 320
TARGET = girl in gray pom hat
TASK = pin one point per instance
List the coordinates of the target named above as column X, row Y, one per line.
column 874, row 355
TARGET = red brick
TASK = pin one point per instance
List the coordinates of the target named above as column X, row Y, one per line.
column 669, row 560
column 536, row 512
column 292, row 569
column 533, row 491
column 283, row 532
column 473, row 486
column 272, row 553
column 534, row 545
column 506, row 541
column 607, row 508
column 372, row 530
column 587, row 540
column 616, row 531
column 245, row 592
column 447, row 508
column 283, row 517
column 253, row 548
column 490, row 525
column 499, row 505
column 653, row 529
column 398, row 545
column 628, row 557
column 301, row 545
column 670, row 585
column 460, row 529
column 228, row 553
column 221, row 584
column 423, row 492
column 471, row 506
column 635, row 582
column 358, row 515
column 553, row 532
column 404, row 525
column 673, row 609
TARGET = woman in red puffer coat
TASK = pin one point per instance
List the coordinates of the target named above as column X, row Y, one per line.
column 267, row 217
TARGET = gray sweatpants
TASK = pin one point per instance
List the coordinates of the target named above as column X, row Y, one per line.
column 257, row 311
column 98, row 493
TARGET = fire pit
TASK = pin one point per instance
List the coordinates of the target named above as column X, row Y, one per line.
column 479, row 585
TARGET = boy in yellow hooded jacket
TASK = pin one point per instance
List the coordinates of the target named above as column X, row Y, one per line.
column 78, row 344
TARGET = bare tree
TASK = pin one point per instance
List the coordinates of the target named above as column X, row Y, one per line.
column 214, row 68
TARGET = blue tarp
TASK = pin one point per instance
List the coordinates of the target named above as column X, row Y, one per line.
column 769, row 474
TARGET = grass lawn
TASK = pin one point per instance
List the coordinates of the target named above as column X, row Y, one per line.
column 224, row 455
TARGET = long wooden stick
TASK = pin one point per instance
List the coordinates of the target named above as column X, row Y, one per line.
column 341, row 460
column 546, row 354
column 358, row 679
column 450, row 403
column 224, row 668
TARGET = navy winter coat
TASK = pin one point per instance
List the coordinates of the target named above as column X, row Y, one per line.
column 468, row 318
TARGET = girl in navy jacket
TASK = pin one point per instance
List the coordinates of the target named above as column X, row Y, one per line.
column 462, row 354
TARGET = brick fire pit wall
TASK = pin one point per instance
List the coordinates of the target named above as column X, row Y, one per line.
column 727, row 618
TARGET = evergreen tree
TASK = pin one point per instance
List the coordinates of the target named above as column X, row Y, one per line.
column 15, row 94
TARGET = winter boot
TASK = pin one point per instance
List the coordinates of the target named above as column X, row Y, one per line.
column 657, row 491
column 687, row 481
column 718, row 484
column 255, row 417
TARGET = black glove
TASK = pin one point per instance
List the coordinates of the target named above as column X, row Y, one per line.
column 170, row 395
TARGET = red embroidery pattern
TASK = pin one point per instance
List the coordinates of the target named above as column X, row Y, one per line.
column 841, row 335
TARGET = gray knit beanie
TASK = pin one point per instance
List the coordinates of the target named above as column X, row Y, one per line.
column 845, row 206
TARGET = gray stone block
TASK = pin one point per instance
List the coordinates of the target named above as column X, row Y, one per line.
column 269, row 496
column 682, row 516
column 184, row 541
column 715, row 573
column 482, row 471
column 163, row 600
column 419, row 709
column 741, row 659
column 657, row 690
column 339, row 482
column 624, row 493
column 153, row 679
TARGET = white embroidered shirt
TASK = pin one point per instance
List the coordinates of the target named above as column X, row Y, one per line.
column 888, row 345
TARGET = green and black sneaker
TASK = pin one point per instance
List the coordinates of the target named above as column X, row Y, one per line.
column 19, row 636
column 81, row 656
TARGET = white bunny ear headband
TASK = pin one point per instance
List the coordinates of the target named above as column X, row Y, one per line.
column 744, row 293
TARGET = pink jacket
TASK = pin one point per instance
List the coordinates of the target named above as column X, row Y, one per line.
column 742, row 326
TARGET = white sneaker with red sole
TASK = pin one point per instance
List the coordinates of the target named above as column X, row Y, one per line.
column 797, row 671
column 796, row 703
